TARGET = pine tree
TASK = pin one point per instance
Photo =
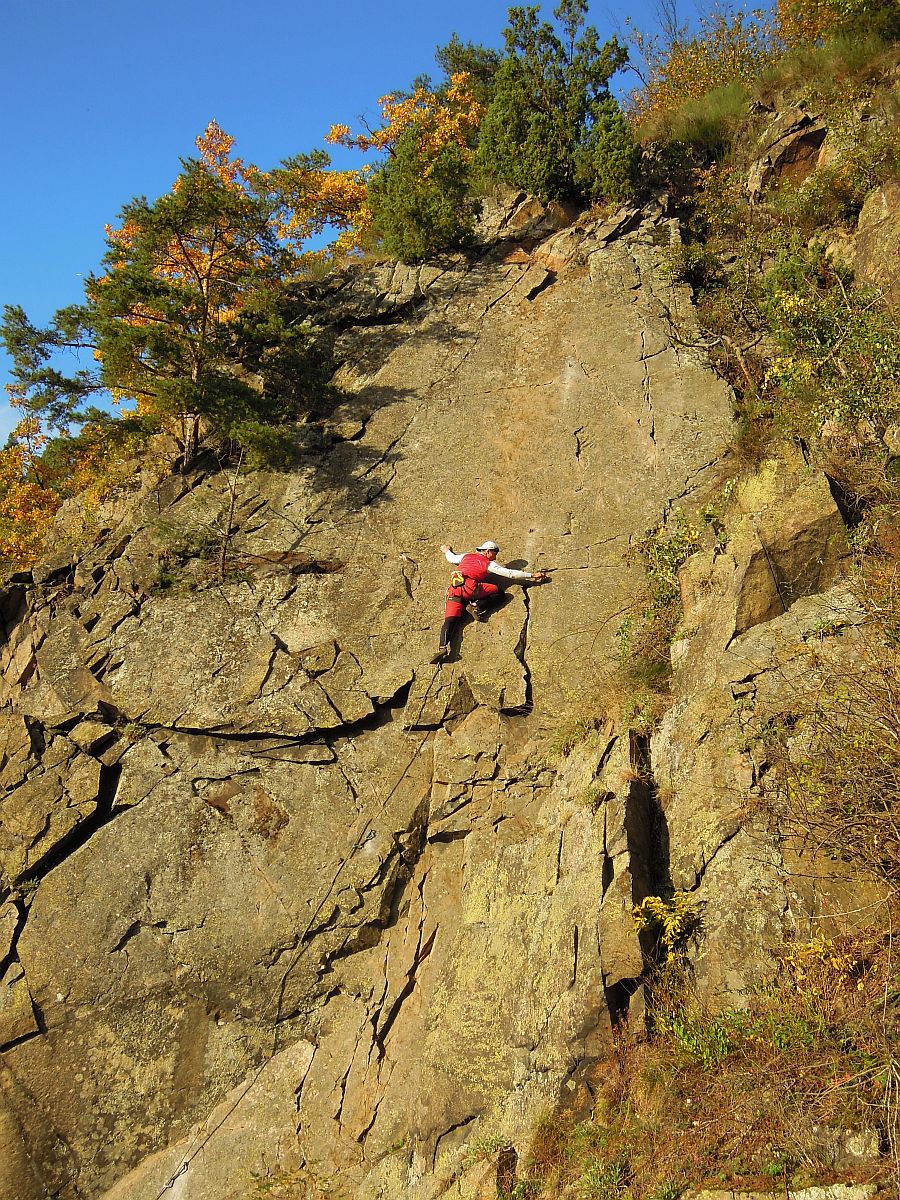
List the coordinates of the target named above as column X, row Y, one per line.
column 181, row 279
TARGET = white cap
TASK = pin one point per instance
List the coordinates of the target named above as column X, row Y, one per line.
column 489, row 545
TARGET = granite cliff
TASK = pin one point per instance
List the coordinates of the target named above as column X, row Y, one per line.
column 284, row 902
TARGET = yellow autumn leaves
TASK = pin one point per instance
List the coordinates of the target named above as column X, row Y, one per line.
column 312, row 196
column 730, row 48
column 440, row 118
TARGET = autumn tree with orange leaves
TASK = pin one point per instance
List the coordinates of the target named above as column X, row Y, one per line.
column 180, row 275
column 310, row 198
column 27, row 504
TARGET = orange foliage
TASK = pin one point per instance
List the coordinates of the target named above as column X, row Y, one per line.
column 215, row 146
column 440, row 118
column 32, row 490
column 27, row 507
column 727, row 49
column 196, row 259
column 315, row 198
column 804, row 22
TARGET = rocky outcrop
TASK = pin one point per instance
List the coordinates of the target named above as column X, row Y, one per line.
column 787, row 150
column 765, row 614
column 285, row 903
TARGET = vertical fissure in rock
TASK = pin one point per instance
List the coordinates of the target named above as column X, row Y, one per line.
column 520, row 652
column 659, row 878
column 37, row 737
column 13, row 607
column 647, row 389
column 507, row 1165
column 647, row 841
column 639, row 817
column 656, row 879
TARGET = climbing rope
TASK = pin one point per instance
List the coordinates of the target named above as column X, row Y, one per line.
column 357, row 841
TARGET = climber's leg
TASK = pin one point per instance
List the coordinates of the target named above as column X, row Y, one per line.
column 453, row 611
column 484, row 600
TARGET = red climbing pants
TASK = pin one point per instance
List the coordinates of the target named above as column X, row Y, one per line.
column 466, row 593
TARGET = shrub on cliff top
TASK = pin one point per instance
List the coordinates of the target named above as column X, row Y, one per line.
column 801, row 22
column 551, row 126
column 421, row 208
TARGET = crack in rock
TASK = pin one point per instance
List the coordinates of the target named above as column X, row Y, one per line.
column 520, row 652
column 646, row 384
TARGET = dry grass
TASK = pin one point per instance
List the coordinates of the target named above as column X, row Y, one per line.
column 745, row 1099
column 843, row 67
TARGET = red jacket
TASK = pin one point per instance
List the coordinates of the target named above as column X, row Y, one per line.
column 474, row 566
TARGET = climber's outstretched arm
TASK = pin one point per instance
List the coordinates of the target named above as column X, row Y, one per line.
column 517, row 576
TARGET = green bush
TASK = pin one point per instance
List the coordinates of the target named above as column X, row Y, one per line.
column 839, row 357
column 419, row 211
column 706, row 124
column 521, row 145
column 608, row 166
column 710, row 122
column 273, row 446
column 551, row 126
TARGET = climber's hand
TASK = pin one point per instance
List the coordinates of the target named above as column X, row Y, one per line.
column 445, row 549
column 540, row 577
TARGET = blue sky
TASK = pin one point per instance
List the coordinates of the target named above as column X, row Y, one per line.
column 102, row 98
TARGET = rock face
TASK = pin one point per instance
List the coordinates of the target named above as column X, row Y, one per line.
column 877, row 243
column 286, row 904
column 787, row 149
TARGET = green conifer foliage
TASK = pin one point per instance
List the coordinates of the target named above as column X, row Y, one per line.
column 480, row 63
column 178, row 272
column 607, row 166
column 419, row 210
column 548, row 94
column 185, row 283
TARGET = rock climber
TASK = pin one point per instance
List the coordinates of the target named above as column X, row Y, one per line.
column 469, row 585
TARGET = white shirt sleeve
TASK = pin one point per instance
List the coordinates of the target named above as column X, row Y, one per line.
column 453, row 558
column 496, row 568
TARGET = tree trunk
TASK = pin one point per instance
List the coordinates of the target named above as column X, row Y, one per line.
column 190, row 437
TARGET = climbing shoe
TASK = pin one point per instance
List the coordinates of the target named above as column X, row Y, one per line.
column 442, row 655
